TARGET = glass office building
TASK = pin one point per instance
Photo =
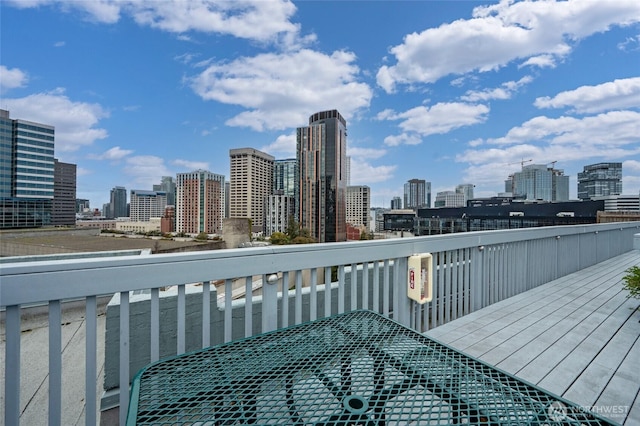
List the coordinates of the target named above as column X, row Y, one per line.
column 600, row 180
column 26, row 173
column 284, row 176
column 321, row 153
column 539, row 182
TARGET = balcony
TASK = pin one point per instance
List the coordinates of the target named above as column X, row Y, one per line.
column 544, row 304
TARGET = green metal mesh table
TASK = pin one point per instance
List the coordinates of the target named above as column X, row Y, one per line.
column 359, row 368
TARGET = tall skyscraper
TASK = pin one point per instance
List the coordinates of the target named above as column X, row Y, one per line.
column 279, row 210
column 396, row 203
column 358, row 205
column 118, row 203
column 63, row 212
column 26, row 172
column 251, row 182
column 539, row 182
column 147, row 204
column 227, row 190
column 416, row 195
column 82, row 205
column 199, row 202
column 598, row 180
column 450, row 199
column 284, row 176
column 348, row 171
column 465, row 189
column 167, row 185
column 321, row 151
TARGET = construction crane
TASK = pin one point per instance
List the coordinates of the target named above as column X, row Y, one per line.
column 553, row 164
column 520, row 162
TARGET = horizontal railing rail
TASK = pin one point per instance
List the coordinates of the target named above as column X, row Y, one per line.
column 279, row 286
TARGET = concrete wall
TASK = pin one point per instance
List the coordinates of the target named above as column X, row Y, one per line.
column 139, row 322
column 235, row 231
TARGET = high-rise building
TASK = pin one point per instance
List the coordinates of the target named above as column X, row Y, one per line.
column 82, row 205
column 26, row 172
column 417, row 194
column 144, row 205
column 538, row 182
column 321, row 152
column 199, row 202
column 118, row 203
column 168, row 186
column 348, row 172
column 279, row 210
column 467, row 190
column 251, row 182
column 227, row 190
column 358, row 205
column 63, row 212
column 450, row 199
column 396, row 203
column 598, row 180
column 284, row 176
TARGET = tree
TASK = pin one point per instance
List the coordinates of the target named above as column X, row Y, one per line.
column 302, row 240
column 202, row 236
column 278, row 238
column 632, row 282
column 293, row 228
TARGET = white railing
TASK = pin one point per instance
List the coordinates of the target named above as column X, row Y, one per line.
column 471, row 270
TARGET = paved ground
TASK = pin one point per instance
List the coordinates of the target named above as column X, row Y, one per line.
column 34, row 363
column 67, row 242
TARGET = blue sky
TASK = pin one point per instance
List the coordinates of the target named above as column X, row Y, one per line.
column 448, row 91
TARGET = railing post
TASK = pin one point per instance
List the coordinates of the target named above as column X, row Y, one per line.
column 270, row 302
column 477, row 278
column 12, row 366
column 401, row 301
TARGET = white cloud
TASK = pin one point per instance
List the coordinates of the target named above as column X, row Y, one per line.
column 363, row 173
column 606, row 137
column 633, row 165
column 146, row 170
column 541, row 61
column 113, row 154
column 59, row 44
column 537, row 33
column 370, row 153
column 505, row 91
column 285, row 145
column 282, row 90
column 74, row 122
column 617, row 94
column 607, row 130
column 12, row 78
column 81, row 171
column 265, row 21
column 630, row 44
column 402, row 139
column 437, row 119
column 186, row 58
column 189, row 166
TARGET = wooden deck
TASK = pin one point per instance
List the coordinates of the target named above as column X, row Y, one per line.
column 577, row 337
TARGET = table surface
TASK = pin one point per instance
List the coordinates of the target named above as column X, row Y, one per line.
column 358, row 368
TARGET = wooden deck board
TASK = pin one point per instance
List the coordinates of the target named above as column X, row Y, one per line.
column 616, row 393
column 576, row 336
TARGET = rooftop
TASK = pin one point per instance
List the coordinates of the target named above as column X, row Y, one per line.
column 576, row 336
column 545, row 305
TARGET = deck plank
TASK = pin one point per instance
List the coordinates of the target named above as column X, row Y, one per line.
column 576, row 337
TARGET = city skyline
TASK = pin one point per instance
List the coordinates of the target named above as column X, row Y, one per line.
column 449, row 92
